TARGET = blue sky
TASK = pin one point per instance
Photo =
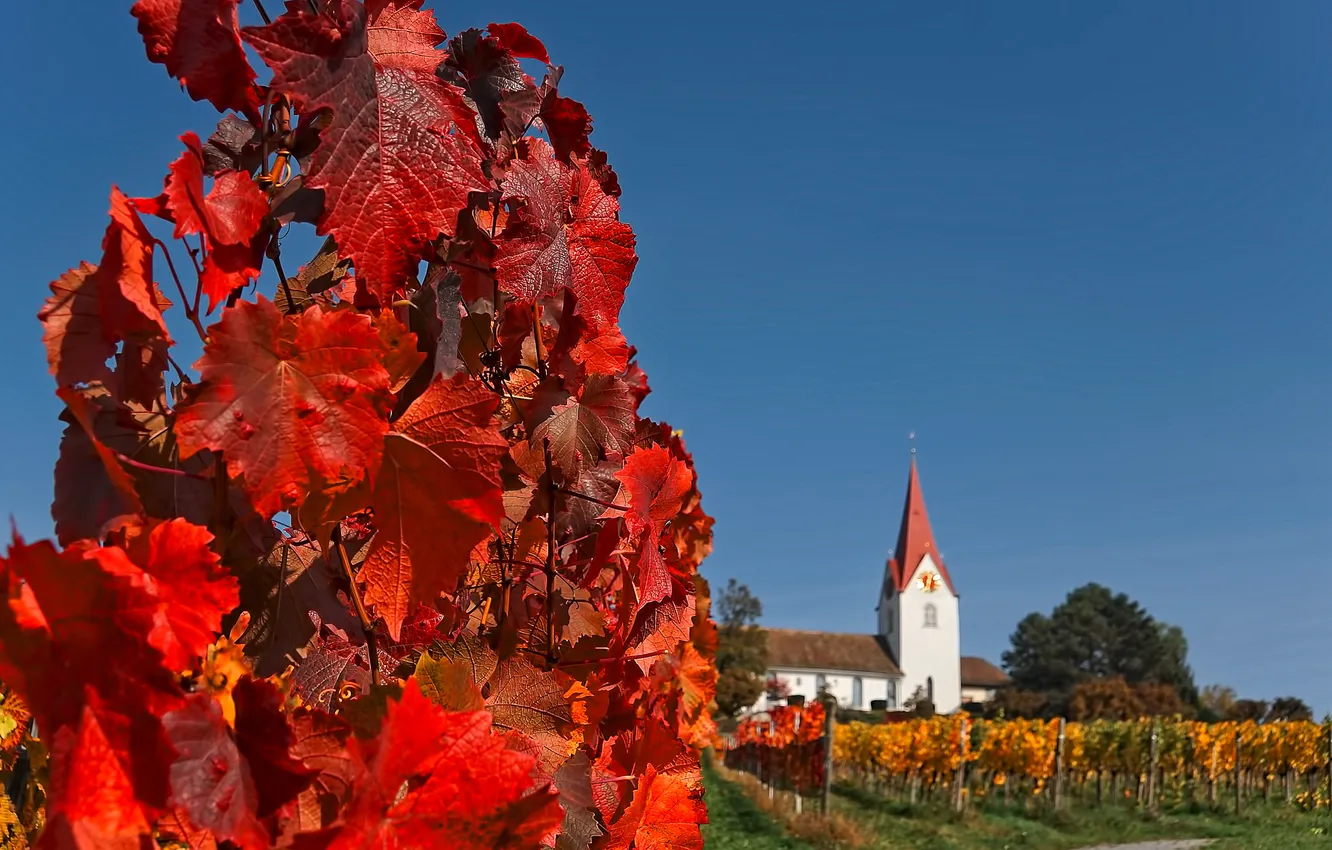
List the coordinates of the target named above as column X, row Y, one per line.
column 1082, row 250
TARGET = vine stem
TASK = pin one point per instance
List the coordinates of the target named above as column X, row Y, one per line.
column 550, row 549
column 191, row 310
column 366, row 626
column 274, row 253
column 148, row 467
column 540, row 346
column 179, row 371
column 593, row 499
column 618, row 658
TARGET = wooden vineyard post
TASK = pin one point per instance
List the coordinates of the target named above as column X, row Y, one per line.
column 960, row 789
column 1211, row 774
column 829, row 721
column 1151, row 769
column 795, row 782
column 1238, row 793
column 1330, row 762
column 1059, row 767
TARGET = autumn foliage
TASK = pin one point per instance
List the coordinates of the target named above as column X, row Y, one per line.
column 1022, row 751
column 396, row 562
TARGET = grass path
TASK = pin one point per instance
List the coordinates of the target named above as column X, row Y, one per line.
column 894, row 825
column 735, row 823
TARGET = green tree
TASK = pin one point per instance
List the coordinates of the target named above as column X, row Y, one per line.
column 920, row 704
column 1097, row 634
column 742, row 649
column 1215, row 702
column 1249, row 709
column 1288, row 708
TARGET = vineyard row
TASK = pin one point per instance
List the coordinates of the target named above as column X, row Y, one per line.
column 1150, row 761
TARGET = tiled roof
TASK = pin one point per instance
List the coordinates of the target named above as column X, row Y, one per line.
column 829, row 651
column 979, row 673
column 803, row 650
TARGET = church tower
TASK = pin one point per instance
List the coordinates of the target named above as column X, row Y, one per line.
column 918, row 610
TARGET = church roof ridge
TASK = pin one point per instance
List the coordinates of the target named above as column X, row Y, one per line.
column 812, row 631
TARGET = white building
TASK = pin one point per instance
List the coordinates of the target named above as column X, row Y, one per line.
column 917, row 645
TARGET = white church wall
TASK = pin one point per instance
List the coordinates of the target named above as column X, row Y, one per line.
column 930, row 652
column 841, row 683
column 890, row 623
column 971, row 693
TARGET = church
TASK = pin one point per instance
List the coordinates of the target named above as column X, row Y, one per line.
column 917, row 648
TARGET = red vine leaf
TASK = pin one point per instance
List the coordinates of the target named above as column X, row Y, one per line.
column 131, row 306
column 607, row 353
column 401, row 358
column 175, row 830
column 659, row 628
column 464, row 787
column 210, row 781
column 293, row 403
column 93, row 801
column 87, row 497
column 334, row 670
column 393, row 171
column 567, row 124
column 566, row 233
column 320, row 744
column 84, row 413
column 76, row 347
column 265, row 739
column 229, row 217
column 654, row 482
column 194, row 589
column 78, row 640
column 529, row 701
column 483, row 68
column 93, row 308
column 584, row 429
column 437, row 495
column 517, row 40
column 199, row 43
column 665, row 814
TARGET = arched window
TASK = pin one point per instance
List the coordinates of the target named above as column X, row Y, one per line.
column 820, row 682
column 931, row 616
column 892, row 694
column 890, row 620
column 857, row 692
column 929, row 687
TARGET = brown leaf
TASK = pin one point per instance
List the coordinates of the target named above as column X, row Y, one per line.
column 448, row 684
column 574, row 782
column 281, row 592
column 531, row 701
column 320, row 743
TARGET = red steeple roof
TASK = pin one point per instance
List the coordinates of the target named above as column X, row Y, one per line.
column 915, row 539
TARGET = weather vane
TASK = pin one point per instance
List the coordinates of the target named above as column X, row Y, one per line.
column 912, row 438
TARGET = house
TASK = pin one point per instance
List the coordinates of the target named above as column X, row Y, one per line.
column 917, row 647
